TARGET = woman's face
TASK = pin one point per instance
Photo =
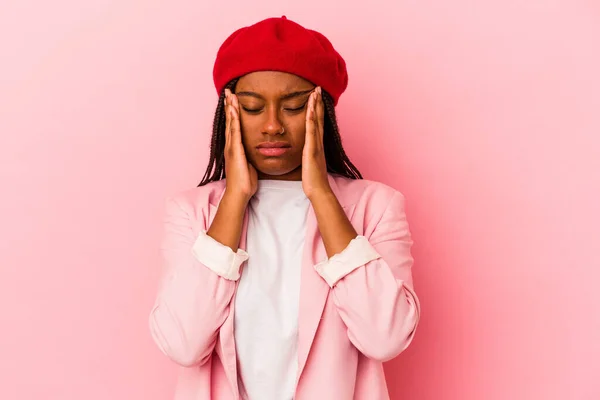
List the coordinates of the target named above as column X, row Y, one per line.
column 272, row 102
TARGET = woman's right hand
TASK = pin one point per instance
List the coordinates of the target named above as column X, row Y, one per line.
column 241, row 177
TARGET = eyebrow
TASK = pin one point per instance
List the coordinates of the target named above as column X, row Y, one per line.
column 284, row 97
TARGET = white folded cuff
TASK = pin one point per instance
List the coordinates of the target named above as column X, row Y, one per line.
column 218, row 257
column 358, row 253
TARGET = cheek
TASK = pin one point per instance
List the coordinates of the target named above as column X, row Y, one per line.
column 245, row 126
column 298, row 133
column 247, row 142
column 250, row 131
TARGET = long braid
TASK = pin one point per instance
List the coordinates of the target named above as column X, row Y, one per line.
column 216, row 164
column 335, row 156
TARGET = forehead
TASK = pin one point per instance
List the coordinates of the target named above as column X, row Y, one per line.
column 272, row 82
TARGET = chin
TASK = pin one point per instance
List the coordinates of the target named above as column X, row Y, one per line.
column 268, row 168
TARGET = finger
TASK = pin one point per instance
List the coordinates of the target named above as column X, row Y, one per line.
column 236, row 132
column 309, row 107
column 310, row 120
column 226, row 102
column 320, row 115
column 315, row 118
column 309, row 140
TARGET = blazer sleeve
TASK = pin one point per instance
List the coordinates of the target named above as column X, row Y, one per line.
column 195, row 289
column 372, row 286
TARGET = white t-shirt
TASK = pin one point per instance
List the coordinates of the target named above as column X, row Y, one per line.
column 267, row 299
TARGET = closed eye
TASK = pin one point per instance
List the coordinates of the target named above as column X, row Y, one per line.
column 252, row 111
column 298, row 109
column 258, row 110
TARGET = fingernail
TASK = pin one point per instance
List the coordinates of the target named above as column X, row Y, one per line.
column 319, row 89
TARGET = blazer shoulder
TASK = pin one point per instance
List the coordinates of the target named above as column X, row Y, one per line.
column 199, row 197
column 365, row 190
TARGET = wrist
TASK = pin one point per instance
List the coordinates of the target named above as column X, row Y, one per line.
column 235, row 200
column 322, row 195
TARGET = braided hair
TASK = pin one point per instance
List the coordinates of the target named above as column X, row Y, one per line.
column 335, row 156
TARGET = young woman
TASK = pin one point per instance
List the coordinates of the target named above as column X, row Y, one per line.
column 286, row 275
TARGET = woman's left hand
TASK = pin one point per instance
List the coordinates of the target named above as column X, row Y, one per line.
column 314, row 166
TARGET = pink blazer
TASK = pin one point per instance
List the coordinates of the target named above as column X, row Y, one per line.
column 345, row 331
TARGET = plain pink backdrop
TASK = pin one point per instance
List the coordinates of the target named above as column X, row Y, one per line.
column 484, row 114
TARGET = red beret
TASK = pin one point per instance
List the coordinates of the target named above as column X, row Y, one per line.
column 278, row 44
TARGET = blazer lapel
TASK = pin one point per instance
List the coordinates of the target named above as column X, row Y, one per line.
column 226, row 345
column 313, row 289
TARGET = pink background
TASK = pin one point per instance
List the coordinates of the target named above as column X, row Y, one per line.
column 485, row 114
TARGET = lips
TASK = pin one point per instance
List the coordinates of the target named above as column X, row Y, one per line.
column 273, row 145
column 273, row 149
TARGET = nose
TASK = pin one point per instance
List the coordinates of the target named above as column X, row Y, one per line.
column 273, row 125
